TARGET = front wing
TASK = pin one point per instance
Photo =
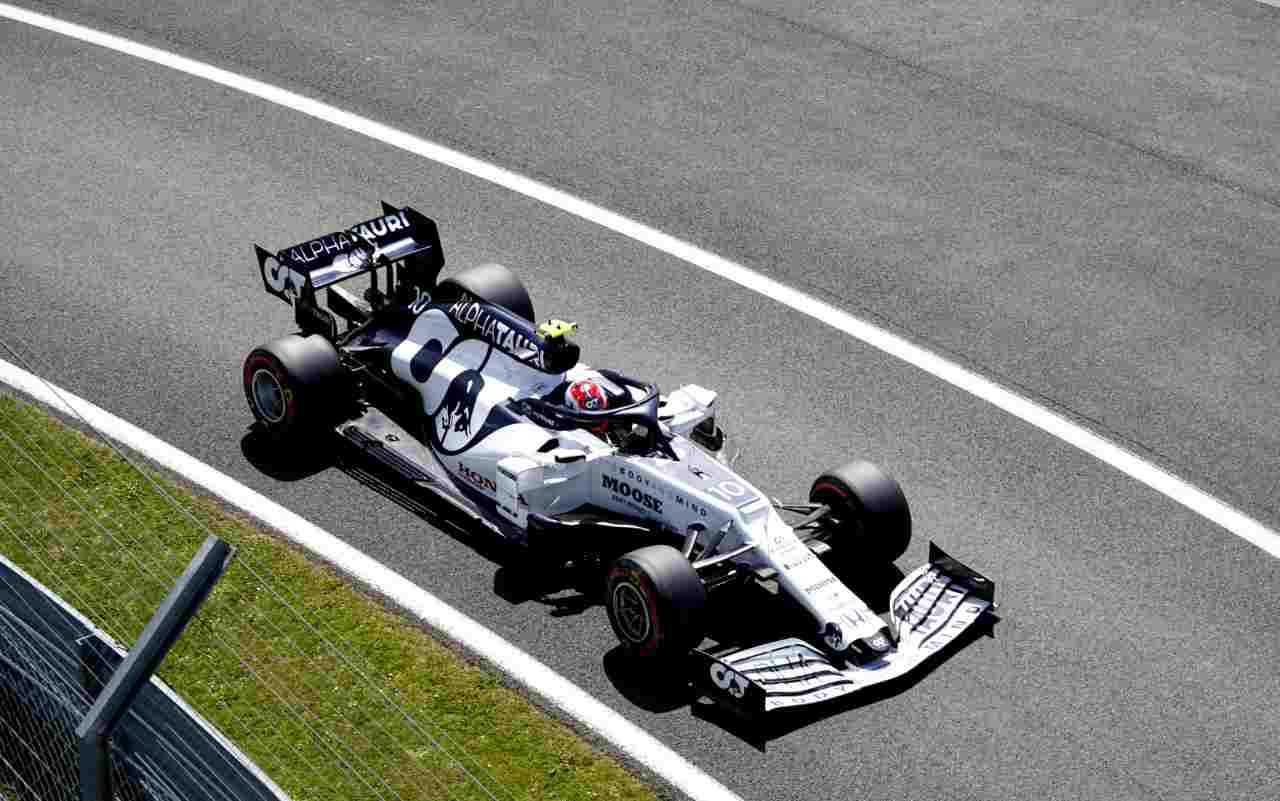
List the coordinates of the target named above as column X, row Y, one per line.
column 928, row 609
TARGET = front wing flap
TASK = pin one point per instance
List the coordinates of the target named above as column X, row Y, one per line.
column 928, row 609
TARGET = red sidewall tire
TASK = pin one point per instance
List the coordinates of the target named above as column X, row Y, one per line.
column 656, row 603
column 871, row 505
column 839, row 490
column 303, row 385
column 635, row 578
column 262, row 360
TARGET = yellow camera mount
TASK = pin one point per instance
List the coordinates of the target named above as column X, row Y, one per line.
column 556, row 329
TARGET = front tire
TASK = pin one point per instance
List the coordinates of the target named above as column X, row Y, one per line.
column 656, row 603
column 294, row 384
column 869, row 509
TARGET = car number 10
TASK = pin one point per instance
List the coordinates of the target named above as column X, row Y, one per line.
column 728, row 490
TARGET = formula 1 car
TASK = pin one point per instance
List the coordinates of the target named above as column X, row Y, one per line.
column 452, row 386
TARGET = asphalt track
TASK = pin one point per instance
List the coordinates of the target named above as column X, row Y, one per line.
column 1080, row 202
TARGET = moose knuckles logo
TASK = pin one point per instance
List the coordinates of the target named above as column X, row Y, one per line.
column 634, row 494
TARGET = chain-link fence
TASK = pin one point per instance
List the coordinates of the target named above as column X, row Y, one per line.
column 39, row 710
column 53, row 665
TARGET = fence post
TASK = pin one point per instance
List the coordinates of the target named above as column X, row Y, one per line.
column 135, row 671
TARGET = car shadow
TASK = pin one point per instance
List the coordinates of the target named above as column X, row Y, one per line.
column 657, row 688
column 566, row 590
column 293, row 463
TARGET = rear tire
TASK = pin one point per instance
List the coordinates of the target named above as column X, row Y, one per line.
column 656, row 603
column 294, row 384
column 494, row 283
column 870, row 508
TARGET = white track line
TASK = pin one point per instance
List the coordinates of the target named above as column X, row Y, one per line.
column 628, row 738
column 1185, row 493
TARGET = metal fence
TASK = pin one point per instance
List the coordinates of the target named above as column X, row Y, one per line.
column 53, row 665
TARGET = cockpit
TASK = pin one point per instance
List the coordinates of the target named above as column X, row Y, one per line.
column 627, row 420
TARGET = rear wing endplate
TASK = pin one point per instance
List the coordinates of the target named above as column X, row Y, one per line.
column 928, row 610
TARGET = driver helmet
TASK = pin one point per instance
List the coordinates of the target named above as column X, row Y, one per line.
column 586, row 395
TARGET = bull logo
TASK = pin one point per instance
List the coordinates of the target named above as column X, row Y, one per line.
column 459, row 402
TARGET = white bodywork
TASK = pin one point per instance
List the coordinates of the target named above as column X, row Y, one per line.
column 517, row 467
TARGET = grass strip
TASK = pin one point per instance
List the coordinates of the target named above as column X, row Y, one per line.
column 259, row 661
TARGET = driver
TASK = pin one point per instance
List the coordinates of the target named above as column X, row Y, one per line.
column 594, row 393
column 586, row 395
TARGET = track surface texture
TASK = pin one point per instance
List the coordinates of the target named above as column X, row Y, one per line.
column 1079, row 200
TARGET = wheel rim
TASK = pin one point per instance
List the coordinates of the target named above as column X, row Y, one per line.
column 268, row 396
column 631, row 612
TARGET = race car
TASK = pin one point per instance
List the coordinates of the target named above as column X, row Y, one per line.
column 452, row 386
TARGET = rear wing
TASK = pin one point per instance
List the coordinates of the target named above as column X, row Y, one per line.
column 400, row 239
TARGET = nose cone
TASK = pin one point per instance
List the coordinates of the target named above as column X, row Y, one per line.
column 878, row 642
column 860, row 650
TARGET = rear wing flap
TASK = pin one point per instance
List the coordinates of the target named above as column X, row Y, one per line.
column 928, row 610
column 401, row 238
